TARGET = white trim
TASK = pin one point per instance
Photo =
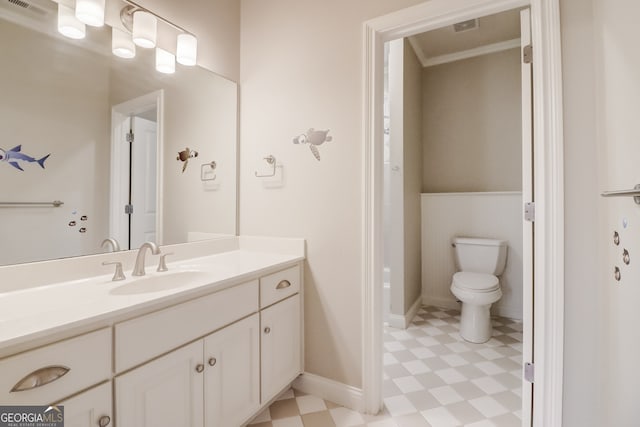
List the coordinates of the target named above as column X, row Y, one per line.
column 119, row 113
column 548, row 128
column 471, row 53
column 333, row 391
column 507, row 311
column 476, row 193
column 403, row 321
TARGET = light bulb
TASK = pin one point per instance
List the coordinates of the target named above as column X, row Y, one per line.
column 122, row 45
column 91, row 12
column 144, row 29
column 165, row 61
column 68, row 24
column 187, row 51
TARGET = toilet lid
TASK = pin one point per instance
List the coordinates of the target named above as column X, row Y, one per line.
column 475, row 281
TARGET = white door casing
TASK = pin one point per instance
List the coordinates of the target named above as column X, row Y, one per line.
column 548, row 137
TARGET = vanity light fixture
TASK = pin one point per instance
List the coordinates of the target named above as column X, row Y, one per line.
column 122, row 45
column 165, row 61
column 68, row 24
column 187, row 50
column 145, row 26
column 91, row 12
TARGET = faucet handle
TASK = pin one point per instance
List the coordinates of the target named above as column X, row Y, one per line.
column 162, row 265
column 118, row 275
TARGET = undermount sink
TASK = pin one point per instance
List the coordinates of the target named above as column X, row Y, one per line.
column 159, row 282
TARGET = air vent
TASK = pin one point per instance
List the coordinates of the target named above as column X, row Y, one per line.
column 20, row 3
column 471, row 24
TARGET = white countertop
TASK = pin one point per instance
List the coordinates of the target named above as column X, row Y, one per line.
column 42, row 312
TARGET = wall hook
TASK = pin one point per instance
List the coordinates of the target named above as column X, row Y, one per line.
column 271, row 161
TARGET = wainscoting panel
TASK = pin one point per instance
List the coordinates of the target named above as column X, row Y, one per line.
column 496, row 215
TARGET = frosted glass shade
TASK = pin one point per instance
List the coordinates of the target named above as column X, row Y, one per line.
column 187, row 51
column 165, row 61
column 145, row 27
column 122, row 45
column 68, row 24
column 91, row 12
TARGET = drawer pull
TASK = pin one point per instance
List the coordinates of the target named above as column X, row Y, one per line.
column 42, row 376
column 212, row 361
column 199, row 367
column 104, row 421
column 283, row 284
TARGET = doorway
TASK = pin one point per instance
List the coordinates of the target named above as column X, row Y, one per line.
column 548, row 298
column 136, row 177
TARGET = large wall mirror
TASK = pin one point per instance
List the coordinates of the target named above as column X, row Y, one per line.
column 93, row 146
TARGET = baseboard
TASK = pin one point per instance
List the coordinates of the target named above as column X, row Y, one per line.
column 402, row 322
column 450, row 303
column 333, row 391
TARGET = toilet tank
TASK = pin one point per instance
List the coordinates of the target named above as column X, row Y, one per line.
column 480, row 255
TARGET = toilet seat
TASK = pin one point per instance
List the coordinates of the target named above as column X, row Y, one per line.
column 476, row 282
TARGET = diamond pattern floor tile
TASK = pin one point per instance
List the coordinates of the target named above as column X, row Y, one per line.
column 432, row 378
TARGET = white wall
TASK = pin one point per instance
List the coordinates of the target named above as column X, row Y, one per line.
column 301, row 68
column 36, row 111
column 448, row 215
column 472, row 124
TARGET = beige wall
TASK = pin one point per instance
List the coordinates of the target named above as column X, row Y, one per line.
column 583, row 339
column 472, row 124
column 293, row 69
column 216, row 23
column 301, row 68
column 412, row 174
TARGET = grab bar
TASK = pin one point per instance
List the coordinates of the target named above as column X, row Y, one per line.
column 635, row 193
column 55, row 204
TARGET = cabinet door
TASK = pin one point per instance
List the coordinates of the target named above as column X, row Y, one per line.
column 166, row 392
column 280, row 336
column 89, row 409
column 232, row 376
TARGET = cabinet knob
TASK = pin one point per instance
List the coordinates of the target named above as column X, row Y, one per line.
column 267, row 330
column 199, row 367
column 104, row 421
column 212, row 361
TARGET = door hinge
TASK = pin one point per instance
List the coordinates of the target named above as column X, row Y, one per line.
column 130, row 137
column 128, row 209
column 530, row 211
column 527, row 54
column 529, row 372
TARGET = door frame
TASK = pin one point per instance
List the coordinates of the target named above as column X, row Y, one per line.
column 548, row 182
column 119, row 114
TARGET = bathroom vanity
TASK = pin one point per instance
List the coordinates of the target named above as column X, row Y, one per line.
column 210, row 342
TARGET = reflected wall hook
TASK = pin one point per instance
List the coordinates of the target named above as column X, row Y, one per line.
column 207, row 168
column 271, row 161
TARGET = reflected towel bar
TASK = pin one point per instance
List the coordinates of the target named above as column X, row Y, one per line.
column 635, row 193
column 55, row 204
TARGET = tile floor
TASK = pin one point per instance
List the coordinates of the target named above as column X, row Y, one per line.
column 432, row 378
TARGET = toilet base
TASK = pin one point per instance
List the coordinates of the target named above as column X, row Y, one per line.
column 475, row 323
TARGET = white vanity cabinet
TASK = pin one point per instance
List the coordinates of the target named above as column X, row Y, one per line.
column 90, row 408
column 280, row 322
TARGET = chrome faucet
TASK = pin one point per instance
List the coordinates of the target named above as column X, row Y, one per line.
column 115, row 246
column 138, row 269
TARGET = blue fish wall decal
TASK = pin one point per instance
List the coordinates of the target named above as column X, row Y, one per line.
column 15, row 155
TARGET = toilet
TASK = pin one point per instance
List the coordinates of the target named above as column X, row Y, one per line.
column 478, row 261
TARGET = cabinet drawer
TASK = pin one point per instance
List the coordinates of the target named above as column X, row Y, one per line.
column 278, row 286
column 138, row 340
column 50, row 373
